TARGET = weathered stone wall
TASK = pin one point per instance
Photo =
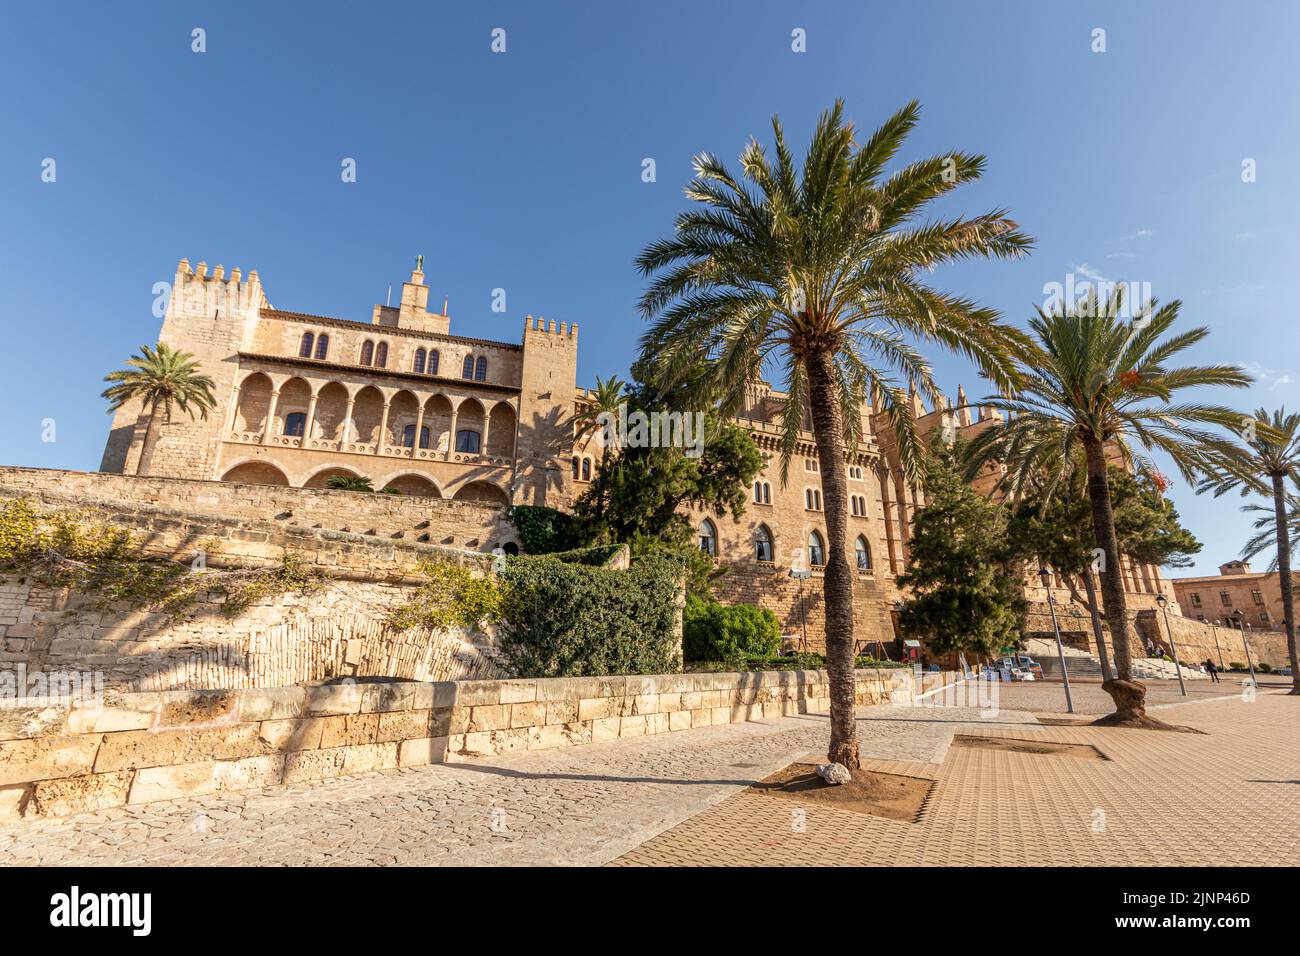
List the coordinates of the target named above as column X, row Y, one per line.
column 460, row 524
column 336, row 631
column 136, row 748
column 1196, row 640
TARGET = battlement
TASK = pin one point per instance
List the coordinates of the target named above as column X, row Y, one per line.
column 540, row 324
column 196, row 292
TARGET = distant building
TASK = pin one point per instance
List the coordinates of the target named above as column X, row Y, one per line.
column 1256, row 594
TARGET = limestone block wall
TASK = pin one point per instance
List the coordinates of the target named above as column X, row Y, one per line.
column 1196, row 640
column 137, row 748
column 425, row 520
column 337, row 631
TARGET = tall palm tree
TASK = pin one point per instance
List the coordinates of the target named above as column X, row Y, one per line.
column 1099, row 383
column 159, row 378
column 1267, row 457
column 821, row 272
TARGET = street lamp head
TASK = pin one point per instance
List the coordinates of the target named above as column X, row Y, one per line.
column 1161, row 600
column 1045, row 574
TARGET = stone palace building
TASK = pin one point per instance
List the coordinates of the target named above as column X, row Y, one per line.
column 402, row 401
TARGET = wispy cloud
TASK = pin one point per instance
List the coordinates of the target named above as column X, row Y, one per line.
column 1140, row 234
column 1242, row 236
column 1121, row 255
column 1088, row 272
column 1271, row 377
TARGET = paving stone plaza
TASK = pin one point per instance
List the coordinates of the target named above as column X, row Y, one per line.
column 683, row 799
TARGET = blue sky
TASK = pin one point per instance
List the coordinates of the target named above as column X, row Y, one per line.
column 522, row 170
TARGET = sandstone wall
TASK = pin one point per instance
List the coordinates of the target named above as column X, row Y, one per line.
column 337, row 631
column 422, row 520
column 136, row 748
column 1196, row 640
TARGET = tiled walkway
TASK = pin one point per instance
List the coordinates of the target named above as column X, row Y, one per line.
column 1229, row 797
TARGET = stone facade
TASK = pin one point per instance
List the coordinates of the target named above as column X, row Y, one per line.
column 398, row 399
column 302, row 398
column 784, row 525
column 1256, row 594
column 137, row 748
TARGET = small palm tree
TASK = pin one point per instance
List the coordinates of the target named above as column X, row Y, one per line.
column 1265, row 460
column 822, row 272
column 606, row 400
column 159, row 378
column 349, row 483
column 1099, row 383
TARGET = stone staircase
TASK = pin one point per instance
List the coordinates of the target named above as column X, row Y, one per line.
column 1087, row 667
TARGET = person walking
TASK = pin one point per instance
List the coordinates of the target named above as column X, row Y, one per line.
column 1211, row 670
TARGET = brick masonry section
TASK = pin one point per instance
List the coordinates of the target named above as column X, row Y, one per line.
column 137, row 748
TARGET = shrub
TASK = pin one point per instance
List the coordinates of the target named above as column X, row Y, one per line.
column 1236, row 666
column 543, row 530
column 573, row 620
column 720, row 632
column 1264, row 667
column 452, row 597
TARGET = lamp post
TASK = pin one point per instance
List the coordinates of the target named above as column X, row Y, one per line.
column 1046, row 575
column 1164, row 606
column 1239, row 617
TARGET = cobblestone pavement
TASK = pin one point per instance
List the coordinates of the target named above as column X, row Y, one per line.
column 582, row 805
column 1160, row 799
column 679, row 798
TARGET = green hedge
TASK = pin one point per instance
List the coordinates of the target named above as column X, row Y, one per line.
column 573, row 620
column 721, row 632
column 543, row 530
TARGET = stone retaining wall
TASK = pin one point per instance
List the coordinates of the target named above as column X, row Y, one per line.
column 439, row 521
column 137, row 748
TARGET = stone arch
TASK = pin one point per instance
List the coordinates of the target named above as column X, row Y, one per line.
column 255, row 472
column 321, row 476
column 437, row 417
column 295, row 397
column 367, row 410
column 483, row 492
column 331, row 408
column 403, row 409
column 470, row 417
column 414, row 483
column 254, row 403
column 501, row 431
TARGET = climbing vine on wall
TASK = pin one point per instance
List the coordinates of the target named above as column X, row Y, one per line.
column 81, row 550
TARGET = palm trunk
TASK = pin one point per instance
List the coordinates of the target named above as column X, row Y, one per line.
column 151, row 436
column 1128, row 694
column 837, row 582
column 1090, row 585
column 1284, row 574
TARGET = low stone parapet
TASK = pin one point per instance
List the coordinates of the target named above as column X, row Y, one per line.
column 142, row 747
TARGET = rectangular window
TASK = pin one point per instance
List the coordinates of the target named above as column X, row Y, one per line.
column 1258, row 596
column 1196, row 599
column 1225, row 599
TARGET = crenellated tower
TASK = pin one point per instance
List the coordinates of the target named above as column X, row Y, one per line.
column 213, row 317
column 545, row 439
